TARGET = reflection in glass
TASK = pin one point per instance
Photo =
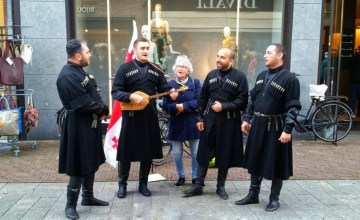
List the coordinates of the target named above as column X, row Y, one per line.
column 191, row 28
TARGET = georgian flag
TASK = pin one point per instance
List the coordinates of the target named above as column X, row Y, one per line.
column 113, row 130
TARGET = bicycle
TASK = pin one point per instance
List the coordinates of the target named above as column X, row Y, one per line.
column 60, row 116
column 327, row 117
column 166, row 143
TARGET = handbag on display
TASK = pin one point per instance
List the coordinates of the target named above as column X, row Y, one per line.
column 31, row 115
column 11, row 100
column 9, row 120
column 11, row 69
column 24, row 51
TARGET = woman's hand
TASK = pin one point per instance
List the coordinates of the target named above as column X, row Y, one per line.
column 173, row 94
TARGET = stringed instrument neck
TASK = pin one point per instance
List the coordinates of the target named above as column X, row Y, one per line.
column 159, row 95
column 167, row 93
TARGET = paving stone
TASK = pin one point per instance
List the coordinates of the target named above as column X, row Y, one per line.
column 34, row 215
column 312, row 160
column 8, row 201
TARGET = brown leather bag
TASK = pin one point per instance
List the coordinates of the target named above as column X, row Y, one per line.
column 11, row 75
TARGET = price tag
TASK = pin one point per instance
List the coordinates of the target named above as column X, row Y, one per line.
column 10, row 62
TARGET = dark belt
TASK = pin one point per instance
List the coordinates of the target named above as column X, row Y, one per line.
column 270, row 117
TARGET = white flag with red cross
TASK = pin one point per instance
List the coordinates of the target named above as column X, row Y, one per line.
column 114, row 127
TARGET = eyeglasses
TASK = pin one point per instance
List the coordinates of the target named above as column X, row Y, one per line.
column 181, row 67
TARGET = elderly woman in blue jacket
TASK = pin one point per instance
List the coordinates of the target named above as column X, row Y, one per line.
column 182, row 123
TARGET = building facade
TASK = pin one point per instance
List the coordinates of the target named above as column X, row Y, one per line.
column 196, row 28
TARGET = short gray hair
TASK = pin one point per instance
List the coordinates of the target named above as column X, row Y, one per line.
column 183, row 58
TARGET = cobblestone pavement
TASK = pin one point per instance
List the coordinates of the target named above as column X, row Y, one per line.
column 313, row 160
column 325, row 185
column 300, row 199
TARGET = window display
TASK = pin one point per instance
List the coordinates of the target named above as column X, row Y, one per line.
column 230, row 42
column 197, row 29
column 153, row 55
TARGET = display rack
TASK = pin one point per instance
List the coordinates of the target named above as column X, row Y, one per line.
column 11, row 142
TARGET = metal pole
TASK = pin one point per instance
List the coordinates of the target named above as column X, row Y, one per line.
column 109, row 53
column 328, row 72
column 9, row 18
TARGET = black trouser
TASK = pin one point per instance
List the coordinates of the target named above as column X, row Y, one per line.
column 76, row 181
column 202, row 171
column 222, row 172
column 143, row 172
column 212, row 141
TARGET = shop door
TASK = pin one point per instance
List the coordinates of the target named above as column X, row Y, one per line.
column 332, row 45
column 339, row 48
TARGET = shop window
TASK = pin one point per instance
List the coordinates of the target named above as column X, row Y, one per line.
column 196, row 28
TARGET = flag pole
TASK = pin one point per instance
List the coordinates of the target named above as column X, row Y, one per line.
column 109, row 54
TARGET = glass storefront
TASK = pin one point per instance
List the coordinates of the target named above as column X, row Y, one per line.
column 341, row 50
column 196, row 28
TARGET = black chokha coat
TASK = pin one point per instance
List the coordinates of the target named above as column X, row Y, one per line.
column 231, row 90
column 81, row 149
column 265, row 155
column 140, row 133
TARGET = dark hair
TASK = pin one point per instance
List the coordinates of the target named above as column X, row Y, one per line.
column 140, row 40
column 280, row 49
column 73, row 47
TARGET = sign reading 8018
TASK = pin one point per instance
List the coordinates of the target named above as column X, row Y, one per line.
column 85, row 9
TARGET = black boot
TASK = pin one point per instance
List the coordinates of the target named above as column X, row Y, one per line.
column 199, row 182
column 72, row 198
column 124, row 169
column 220, row 187
column 88, row 193
column 276, row 186
column 253, row 196
column 143, row 177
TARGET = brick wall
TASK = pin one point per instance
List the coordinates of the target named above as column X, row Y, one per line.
column 5, row 11
column 3, row 14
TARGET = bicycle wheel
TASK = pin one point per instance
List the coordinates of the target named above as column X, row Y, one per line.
column 166, row 143
column 186, row 148
column 324, row 125
column 60, row 118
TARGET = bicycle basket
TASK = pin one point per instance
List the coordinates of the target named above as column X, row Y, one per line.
column 317, row 91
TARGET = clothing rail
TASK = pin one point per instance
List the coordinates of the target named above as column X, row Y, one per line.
column 29, row 91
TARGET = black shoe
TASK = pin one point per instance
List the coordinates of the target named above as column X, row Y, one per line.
column 249, row 199
column 180, row 182
column 71, row 213
column 93, row 202
column 72, row 198
column 272, row 206
column 276, row 186
column 88, row 197
column 194, row 191
column 222, row 193
column 122, row 192
column 144, row 190
column 193, row 181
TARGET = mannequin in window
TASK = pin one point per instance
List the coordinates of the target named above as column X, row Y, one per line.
column 153, row 55
column 230, row 42
column 160, row 33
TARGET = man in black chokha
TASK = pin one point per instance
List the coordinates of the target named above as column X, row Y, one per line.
column 274, row 107
column 223, row 95
column 140, row 133
column 81, row 150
